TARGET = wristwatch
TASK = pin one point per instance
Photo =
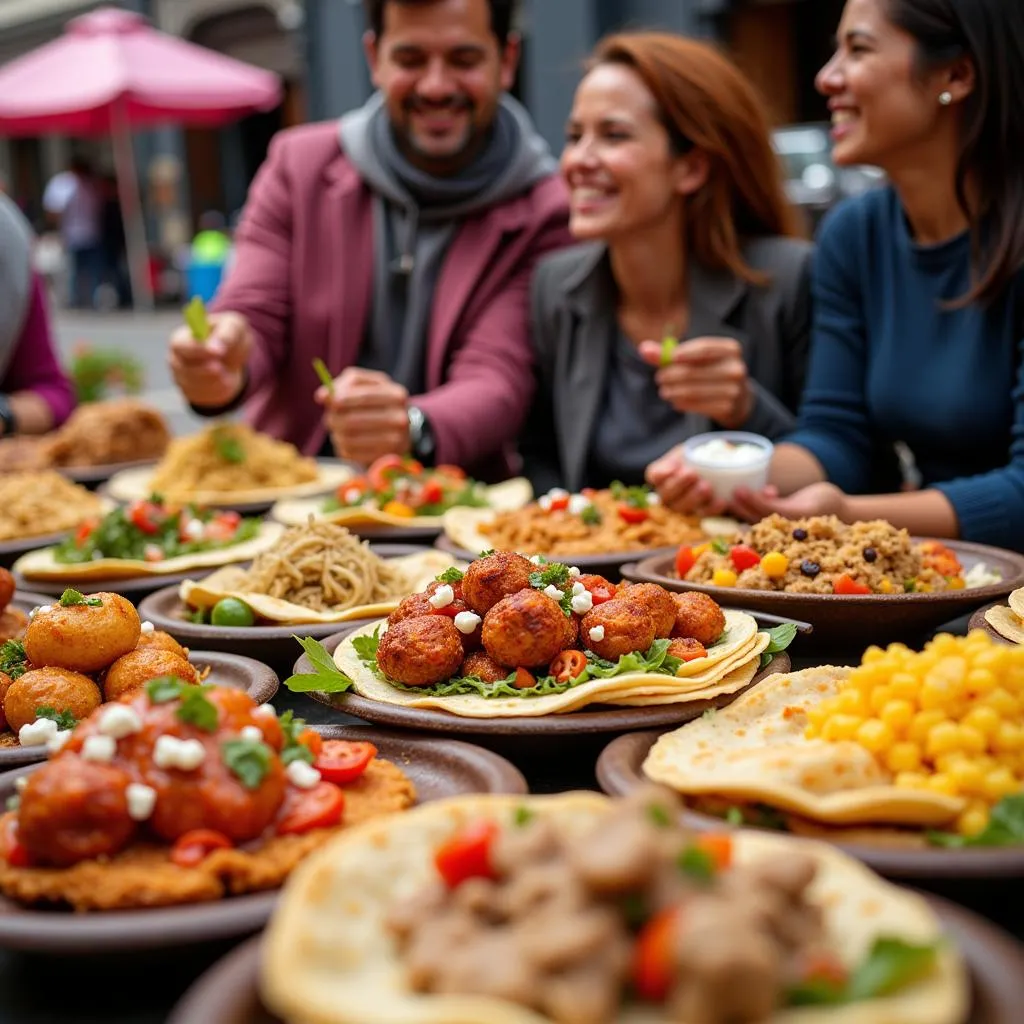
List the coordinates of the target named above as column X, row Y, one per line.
column 8, row 424
column 421, row 436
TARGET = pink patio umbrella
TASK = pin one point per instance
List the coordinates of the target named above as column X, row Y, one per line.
column 112, row 73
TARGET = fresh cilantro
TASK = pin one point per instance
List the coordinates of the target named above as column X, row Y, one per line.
column 721, row 546
column 909, row 586
column 485, row 554
column 197, row 709
column 450, row 575
column 1005, row 827
column 71, row 598
column 294, row 749
column 229, row 449
column 659, row 816
column 13, row 659
column 523, row 816
column 249, row 760
column 200, row 616
column 734, row 816
column 64, row 719
column 164, row 689
column 554, row 574
column 635, row 497
column 780, row 637
column 697, row 863
column 544, row 687
column 591, row 516
column 325, row 677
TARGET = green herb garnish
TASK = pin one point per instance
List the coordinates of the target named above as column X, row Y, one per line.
column 164, row 689
column 294, row 750
column 13, row 659
column 324, row 374
column 554, row 574
column 734, row 816
column 697, row 863
column 450, row 575
column 229, row 449
column 635, row 497
column 523, row 816
column 780, row 637
column 200, row 616
column 197, row 709
column 1005, row 827
column 485, row 554
column 196, row 319
column 249, row 760
column 72, row 598
column 326, row 677
column 591, row 516
column 709, row 714
column 659, row 816
column 635, row 910
column 64, row 719
column 909, row 586
column 721, row 546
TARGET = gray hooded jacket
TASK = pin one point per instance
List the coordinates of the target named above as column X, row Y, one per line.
column 15, row 278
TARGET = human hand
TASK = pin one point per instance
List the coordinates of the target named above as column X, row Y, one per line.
column 680, row 488
column 706, row 376
column 821, row 499
column 366, row 413
column 212, row 372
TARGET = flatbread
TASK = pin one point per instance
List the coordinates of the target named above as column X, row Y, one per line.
column 503, row 497
column 755, row 751
column 136, row 485
column 329, row 959
column 42, row 565
column 419, row 570
column 662, row 689
column 1006, row 622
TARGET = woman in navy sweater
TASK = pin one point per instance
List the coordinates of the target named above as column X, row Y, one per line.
column 918, row 290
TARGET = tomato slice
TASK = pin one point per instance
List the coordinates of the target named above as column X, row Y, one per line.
column 653, row 956
column 381, row 473
column 307, row 809
column 687, row 649
column 846, row 584
column 467, row 854
column 629, row 514
column 559, row 504
column 567, row 666
column 524, row 680
column 718, row 846
column 685, row 559
column 344, row 761
column 432, row 493
column 84, row 532
column 312, row 739
column 600, row 589
column 192, row 848
column 12, row 849
column 743, row 557
column 145, row 516
column 222, row 527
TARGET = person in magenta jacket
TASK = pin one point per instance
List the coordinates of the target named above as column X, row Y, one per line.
column 397, row 245
column 35, row 394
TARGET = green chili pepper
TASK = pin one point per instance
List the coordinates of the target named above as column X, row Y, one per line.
column 195, row 317
column 324, row 374
column 669, row 343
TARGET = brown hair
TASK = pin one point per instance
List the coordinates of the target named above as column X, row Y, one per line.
column 706, row 103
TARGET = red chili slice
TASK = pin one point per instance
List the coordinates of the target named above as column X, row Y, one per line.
column 192, row 848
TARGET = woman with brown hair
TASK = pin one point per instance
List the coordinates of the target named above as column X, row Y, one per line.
column 677, row 197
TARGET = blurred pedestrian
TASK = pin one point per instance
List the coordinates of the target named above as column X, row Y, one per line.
column 73, row 199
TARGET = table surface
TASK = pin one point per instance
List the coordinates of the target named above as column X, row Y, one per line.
column 143, row 988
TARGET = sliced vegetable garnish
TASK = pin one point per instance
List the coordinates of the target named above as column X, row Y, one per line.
column 696, row 862
column 326, row 677
column 467, row 854
column 13, row 659
column 72, row 598
column 344, row 761
column 64, row 719
column 654, row 960
column 196, row 319
column 192, row 848
column 451, row 575
column 295, row 746
column 308, row 809
column 324, row 374
column 780, row 638
column 248, row 760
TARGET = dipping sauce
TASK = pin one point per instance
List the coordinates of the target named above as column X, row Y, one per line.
column 730, row 459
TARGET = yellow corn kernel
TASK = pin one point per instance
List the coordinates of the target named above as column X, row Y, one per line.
column 937, row 692
column 872, row 654
column 905, row 686
column 972, row 821
column 998, row 783
column 724, row 578
column 923, row 588
column 992, row 658
column 875, row 736
column 885, row 587
column 879, row 697
column 943, row 738
column 943, row 643
column 911, row 780
column 985, row 719
column 851, row 702
column 955, row 583
column 775, row 565
column 1008, row 738
column 972, row 741
column 940, row 782
column 968, row 776
column 841, row 727
column 1013, row 679
column 980, row 681
column 1003, row 702
column 923, row 723
column 897, row 714
column 903, row 757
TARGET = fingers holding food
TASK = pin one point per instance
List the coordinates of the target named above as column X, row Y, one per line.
column 480, row 665
column 421, row 651
column 658, row 603
column 617, row 627
column 57, row 688
column 133, row 670
column 526, row 628
column 494, row 577
column 698, row 616
column 83, row 633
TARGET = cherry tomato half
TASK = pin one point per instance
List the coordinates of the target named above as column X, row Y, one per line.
column 84, row 532
column 432, row 493
column 192, row 848
column 629, row 514
column 743, row 557
column 145, row 516
column 343, row 761
column 524, row 680
column 600, row 589
column 559, row 503
column 653, row 956
column 12, row 849
column 685, row 559
column 307, row 809
column 384, row 469
column 467, row 854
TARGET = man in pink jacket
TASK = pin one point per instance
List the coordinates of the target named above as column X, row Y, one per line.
column 397, row 246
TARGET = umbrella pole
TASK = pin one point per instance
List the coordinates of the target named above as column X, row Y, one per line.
column 131, row 211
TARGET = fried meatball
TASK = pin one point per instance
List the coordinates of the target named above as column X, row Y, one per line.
column 5, row 685
column 572, row 633
column 6, row 588
column 58, row 688
column 698, row 616
column 158, row 640
column 480, row 665
column 420, row 651
column 82, row 637
column 627, row 626
column 13, row 623
column 524, row 629
column 489, row 579
column 73, row 809
column 412, row 607
column 658, row 602
column 136, row 668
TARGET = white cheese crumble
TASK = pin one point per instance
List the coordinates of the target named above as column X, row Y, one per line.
column 596, row 634
column 56, row 745
column 578, row 588
column 152, row 553
column 37, row 733
column 119, row 720
column 264, row 711
column 43, row 609
column 574, row 572
column 147, row 627
column 653, row 499
column 20, row 783
column 578, row 504
column 194, row 529
column 141, row 801
column 582, row 603
column 553, row 592
column 185, row 755
column 466, row 622
column 545, row 503
column 252, row 732
column 536, row 559
column 558, row 492
column 442, row 597
column 302, row 775
column 99, row 748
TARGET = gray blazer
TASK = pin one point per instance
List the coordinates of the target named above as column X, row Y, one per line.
column 574, row 327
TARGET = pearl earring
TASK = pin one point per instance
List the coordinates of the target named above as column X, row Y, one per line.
column 945, row 98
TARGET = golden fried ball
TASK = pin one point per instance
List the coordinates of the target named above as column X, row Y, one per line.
column 158, row 640
column 627, row 626
column 412, row 607
column 136, row 668
column 480, row 665
column 83, row 638
column 698, row 616
column 420, row 651
column 493, row 577
column 658, row 603
column 5, row 685
column 58, row 688
column 6, row 588
column 524, row 629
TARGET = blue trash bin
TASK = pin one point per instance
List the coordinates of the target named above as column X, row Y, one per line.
column 204, row 280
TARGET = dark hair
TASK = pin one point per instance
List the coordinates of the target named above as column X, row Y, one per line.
column 502, row 12
column 990, row 33
column 706, row 103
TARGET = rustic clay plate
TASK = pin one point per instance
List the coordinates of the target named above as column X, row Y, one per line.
column 844, row 621
column 619, row 770
column 978, row 621
column 437, row 768
column 134, row 589
column 12, row 550
column 273, row 644
column 609, row 564
column 228, row 993
column 258, row 680
column 90, row 476
column 607, row 719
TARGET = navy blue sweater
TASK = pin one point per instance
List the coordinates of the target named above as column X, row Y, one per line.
column 889, row 364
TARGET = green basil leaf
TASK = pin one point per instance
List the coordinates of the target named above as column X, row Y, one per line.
column 316, row 682
column 891, row 964
column 72, row 598
column 164, row 689
column 248, row 760
column 197, row 709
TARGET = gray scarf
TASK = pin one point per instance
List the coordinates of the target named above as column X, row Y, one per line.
column 15, row 278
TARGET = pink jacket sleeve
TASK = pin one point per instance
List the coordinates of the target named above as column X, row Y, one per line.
column 34, row 365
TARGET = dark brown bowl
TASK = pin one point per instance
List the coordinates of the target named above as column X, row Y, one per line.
column 609, row 564
column 241, row 673
column 978, row 621
column 135, row 588
column 619, row 770
column 228, row 993
column 438, row 769
column 845, row 621
column 600, row 719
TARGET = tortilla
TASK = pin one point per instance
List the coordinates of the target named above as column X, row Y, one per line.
column 1006, row 622
column 328, row 958
column 42, row 565
column 135, row 485
column 143, row 875
column 755, row 751
column 420, row 570
column 653, row 688
column 511, row 494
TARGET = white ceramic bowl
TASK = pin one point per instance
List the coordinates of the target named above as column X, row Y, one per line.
column 708, row 454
